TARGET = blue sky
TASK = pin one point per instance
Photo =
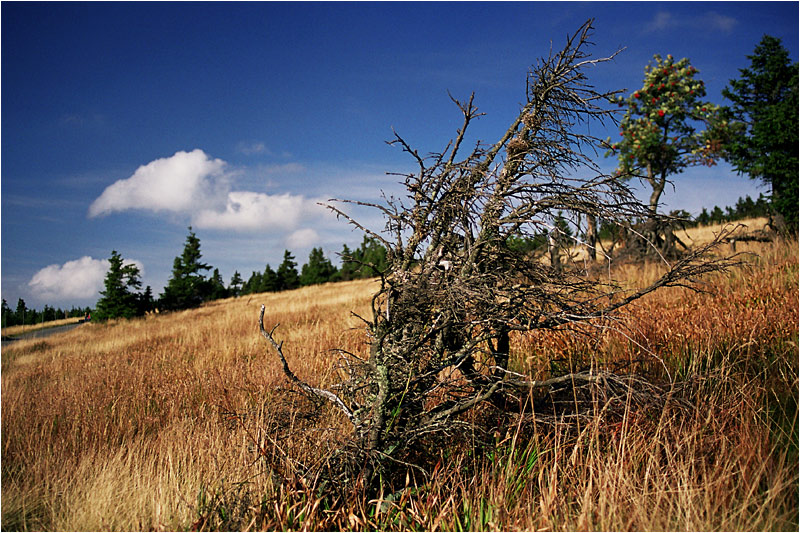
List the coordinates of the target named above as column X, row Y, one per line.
column 124, row 123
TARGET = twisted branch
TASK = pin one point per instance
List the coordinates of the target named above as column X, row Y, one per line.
column 305, row 387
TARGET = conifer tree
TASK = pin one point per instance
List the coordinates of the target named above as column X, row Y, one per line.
column 318, row 269
column 269, row 280
column 187, row 287
column 119, row 299
column 235, row 286
column 217, row 288
column 765, row 101
column 287, row 273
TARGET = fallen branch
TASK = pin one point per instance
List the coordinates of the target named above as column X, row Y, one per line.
column 305, row 387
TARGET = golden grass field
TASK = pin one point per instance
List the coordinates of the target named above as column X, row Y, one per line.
column 128, row 425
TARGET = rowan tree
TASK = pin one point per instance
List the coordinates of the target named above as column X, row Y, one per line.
column 667, row 127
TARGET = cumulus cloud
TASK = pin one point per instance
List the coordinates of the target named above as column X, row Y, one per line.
column 251, row 211
column 80, row 279
column 302, row 238
column 199, row 187
column 178, row 183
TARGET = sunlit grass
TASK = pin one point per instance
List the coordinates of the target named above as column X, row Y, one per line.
column 149, row 423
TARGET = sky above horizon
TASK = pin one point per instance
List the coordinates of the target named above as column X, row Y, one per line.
column 124, row 123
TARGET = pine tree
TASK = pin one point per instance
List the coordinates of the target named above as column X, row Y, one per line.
column 252, row 284
column 318, row 269
column 119, row 299
column 287, row 273
column 235, row 286
column 187, row 287
column 269, row 280
column 348, row 269
column 765, row 102
column 146, row 301
column 21, row 313
column 217, row 286
column 372, row 255
column 7, row 314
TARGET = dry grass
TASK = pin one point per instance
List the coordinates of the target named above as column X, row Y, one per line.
column 696, row 236
column 131, row 426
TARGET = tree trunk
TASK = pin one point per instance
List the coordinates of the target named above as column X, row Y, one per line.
column 591, row 237
column 552, row 244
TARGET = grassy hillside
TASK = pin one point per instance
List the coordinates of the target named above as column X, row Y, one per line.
column 155, row 423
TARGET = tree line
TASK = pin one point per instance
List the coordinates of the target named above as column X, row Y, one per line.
column 22, row 315
column 189, row 286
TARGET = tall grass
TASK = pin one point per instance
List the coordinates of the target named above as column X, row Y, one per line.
column 183, row 421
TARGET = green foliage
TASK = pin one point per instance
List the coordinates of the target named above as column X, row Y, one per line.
column 744, row 208
column 765, row 100
column 288, row 278
column 217, row 288
column 187, row 287
column 119, row 299
column 269, row 280
column 235, row 286
column 366, row 261
column 667, row 125
column 522, row 244
column 318, row 269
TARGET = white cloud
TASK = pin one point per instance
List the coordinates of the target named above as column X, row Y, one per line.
column 664, row 20
column 251, row 211
column 179, row 183
column 252, row 148
column 721, row 22
column 661, row 21
column 198, row 187
column 302, row 238
column 81, row 279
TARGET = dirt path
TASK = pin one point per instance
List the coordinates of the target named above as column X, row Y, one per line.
column 38, row 334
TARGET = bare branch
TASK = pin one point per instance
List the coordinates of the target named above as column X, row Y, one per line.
column 308, row 389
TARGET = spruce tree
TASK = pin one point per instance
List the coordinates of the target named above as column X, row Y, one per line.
column 118, row 297
column 269, row 280
column 318, row 269
column 187, row 287
column 217, row 289
column 765, row 101
column 287, row 273
column 348, row 269
column 235, row 286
